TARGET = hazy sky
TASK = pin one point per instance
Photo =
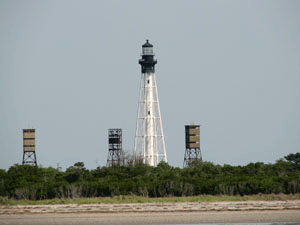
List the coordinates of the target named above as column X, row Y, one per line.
column 70, row 70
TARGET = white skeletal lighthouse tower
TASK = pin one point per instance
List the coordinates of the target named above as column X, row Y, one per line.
column 149, row 137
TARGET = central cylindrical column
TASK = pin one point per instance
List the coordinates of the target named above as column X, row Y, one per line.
column 149, row 108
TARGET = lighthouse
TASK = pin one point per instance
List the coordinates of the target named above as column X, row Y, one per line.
column 149, row 141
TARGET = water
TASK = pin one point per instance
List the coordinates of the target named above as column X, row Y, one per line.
column 240, row 224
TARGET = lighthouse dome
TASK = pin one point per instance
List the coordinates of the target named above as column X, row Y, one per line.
column 147, row 44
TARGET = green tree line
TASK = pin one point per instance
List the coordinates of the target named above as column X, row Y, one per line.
column 37, row 183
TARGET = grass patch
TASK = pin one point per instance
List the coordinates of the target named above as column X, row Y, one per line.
column 139, row 199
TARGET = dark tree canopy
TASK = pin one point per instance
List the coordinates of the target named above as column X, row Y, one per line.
column 294, row 159
column 33, row 182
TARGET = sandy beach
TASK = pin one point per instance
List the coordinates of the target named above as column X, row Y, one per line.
column 153, row 207
column 153, row 218
column 154, row 213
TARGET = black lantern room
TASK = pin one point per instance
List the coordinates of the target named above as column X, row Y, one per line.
column 147, row 61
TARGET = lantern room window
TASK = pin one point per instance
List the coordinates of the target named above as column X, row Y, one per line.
column 147, row 50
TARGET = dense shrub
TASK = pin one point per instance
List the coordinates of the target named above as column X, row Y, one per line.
column 34, row 183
